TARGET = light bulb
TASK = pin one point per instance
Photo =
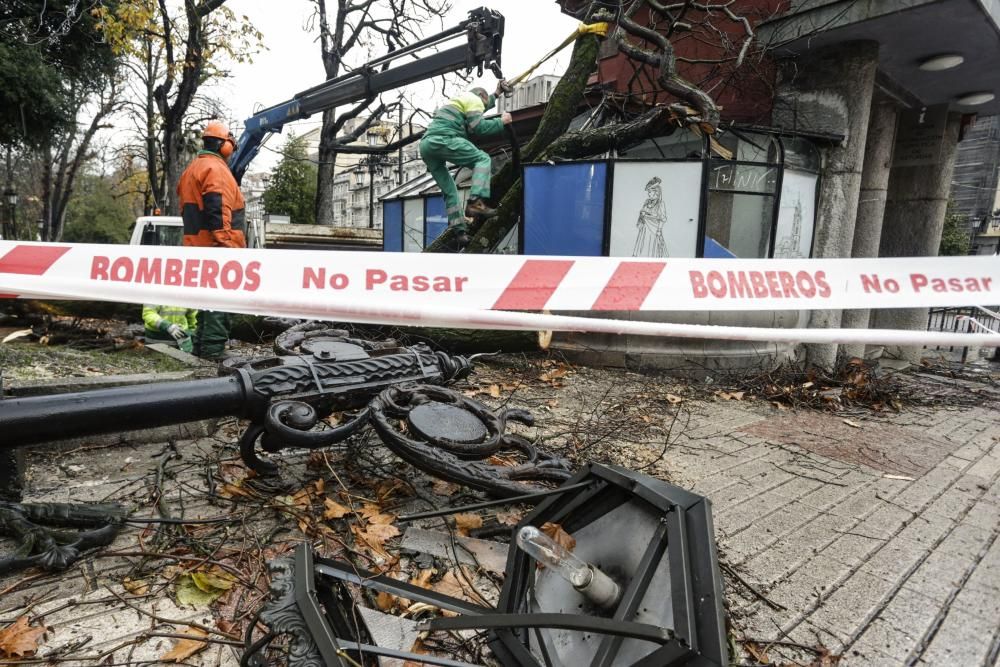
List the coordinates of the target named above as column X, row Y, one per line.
column 588, row 580
column 550, row 553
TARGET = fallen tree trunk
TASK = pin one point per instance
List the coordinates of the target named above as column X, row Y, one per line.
column 552, row 141
column 655, row 122
column 468, row 341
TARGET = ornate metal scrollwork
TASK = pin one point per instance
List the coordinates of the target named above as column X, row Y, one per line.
column 289, row 424
column 319, row 339
column 450, row 435
column 298, row 392
column 281, row 614
column 53, row 536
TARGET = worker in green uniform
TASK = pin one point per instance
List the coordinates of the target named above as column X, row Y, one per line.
column 448, row 139
column 171, row 323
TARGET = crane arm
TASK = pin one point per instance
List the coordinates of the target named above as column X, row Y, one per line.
column 483, row 32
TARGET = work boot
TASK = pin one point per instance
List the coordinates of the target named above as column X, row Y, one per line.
column 477, row 208
column 225, row 355
column 461, row 237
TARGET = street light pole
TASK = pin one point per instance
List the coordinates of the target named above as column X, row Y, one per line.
column 9, row 204
column 371, row 192
column 399, row 138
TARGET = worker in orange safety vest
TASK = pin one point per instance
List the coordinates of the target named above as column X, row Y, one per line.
column 213, row 211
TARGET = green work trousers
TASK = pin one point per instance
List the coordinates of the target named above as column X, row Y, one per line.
column 437, row 151
column 212, row 334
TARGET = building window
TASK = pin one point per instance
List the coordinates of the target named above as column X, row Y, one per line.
column 740, row 209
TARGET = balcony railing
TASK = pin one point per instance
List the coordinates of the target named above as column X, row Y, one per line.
column 969, row 319
column 991, row 228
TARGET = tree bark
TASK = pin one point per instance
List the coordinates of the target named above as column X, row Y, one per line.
column 326, row 170
column 173, row 112
column 468, row 341
column 46, row 213
column 328, row 145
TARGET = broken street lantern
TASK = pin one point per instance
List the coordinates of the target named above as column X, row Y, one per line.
column 656, row 542
column 646, row 545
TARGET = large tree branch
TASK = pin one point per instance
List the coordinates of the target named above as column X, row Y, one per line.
column 666, row 62
column 559, row 112
column 658, row 121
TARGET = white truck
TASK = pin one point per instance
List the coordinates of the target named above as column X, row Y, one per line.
column 169, row 230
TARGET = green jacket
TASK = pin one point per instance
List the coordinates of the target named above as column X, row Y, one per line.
column 462, row 116
column 159, row 318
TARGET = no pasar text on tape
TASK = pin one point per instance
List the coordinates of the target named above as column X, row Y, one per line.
column 379, row 280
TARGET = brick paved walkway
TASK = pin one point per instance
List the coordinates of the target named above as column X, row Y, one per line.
column 810, row 512
column 876, row 539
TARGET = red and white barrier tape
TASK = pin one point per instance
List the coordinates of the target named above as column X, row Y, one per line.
column 472, row 291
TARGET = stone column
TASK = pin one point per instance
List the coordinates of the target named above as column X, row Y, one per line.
column 915, row 209
column 871, row 204
column 830, row 90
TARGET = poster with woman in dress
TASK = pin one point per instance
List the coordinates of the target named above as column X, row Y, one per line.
column 652, row 217
column 654, row 209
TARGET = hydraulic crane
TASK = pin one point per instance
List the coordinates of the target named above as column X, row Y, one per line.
column 483, row 32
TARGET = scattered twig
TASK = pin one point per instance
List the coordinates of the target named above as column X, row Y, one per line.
column 763, row 598
column 170, row 621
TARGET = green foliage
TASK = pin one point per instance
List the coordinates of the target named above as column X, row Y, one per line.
column 96, row 215
column 129, row 27
column 955, row 234
column 292, row 189
column 50, row 50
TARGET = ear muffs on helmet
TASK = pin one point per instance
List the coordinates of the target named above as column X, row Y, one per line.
column 227, row 147
column 216, row 129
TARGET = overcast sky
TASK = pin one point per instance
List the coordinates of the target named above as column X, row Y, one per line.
column 292, row 62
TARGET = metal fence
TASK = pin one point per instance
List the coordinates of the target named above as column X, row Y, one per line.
column 969, row 319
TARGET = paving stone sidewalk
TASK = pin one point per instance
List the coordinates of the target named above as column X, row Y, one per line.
column 875, row 539
column 873, row 536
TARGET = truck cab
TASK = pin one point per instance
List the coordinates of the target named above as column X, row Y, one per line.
column 169, row 230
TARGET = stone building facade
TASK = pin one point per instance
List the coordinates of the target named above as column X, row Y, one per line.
column 886, row 90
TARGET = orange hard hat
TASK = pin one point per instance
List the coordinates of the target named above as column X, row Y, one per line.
column 216, row 129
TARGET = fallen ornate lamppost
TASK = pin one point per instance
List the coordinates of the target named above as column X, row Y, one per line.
column 449, row 435
column 284, row 397
column 321, row 371
column 654, row 541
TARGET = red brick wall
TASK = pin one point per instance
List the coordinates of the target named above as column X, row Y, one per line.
column 744, row 93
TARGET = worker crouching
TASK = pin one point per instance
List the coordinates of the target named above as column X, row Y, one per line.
column 448, row 139
column 171, row 324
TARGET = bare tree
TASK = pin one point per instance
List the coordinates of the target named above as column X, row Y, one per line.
column 172, row 54
column 63, row 156
column 346, row 26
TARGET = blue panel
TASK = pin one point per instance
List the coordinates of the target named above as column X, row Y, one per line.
column 715, row 250
column 392, row 226
column 564, row 209
column 436, row 219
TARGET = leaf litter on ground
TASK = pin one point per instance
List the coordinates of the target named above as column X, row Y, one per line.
column 19, row 639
